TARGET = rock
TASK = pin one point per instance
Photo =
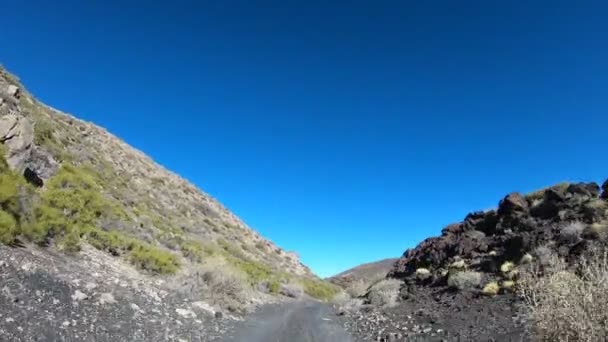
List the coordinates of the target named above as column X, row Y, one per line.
column 186, row 313
column 589, row 190
column 291, row 290
column 13, row 91
column 605, row 190
column 17, row 134
column 106, row 298
column 42, row 163
column 78, row 296
column 513, row 203
column 219, row 315
column 203, row 307
column 464, row 280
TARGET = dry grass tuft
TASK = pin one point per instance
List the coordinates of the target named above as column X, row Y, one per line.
column 568, row 304
column 491, row 289
column 384, row 293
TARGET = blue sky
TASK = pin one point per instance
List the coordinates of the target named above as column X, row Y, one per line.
column 348, row 131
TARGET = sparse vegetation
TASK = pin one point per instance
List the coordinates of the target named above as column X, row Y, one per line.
column 384, row 293
column 508, row 284
column 569, row 304
column 153, row 259
column 571, row 232
column 423, row 274
column 319, row 289
column 539, row 194
column 507, row 267
column 491, row 289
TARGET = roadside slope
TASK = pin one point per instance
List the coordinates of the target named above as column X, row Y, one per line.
column 94, row 233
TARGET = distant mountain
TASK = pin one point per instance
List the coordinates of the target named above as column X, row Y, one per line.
column 357, row 279
column 99, row 240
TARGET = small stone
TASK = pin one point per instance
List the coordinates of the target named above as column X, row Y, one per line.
column 106, row 298
column 78, row 296
column 65, row 324
column 186, row 313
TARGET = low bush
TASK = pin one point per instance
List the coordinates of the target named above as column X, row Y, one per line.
column 423, row 274
column 192, row 250
column 291, row 290
column 274, row 286
column 384, row 293
column 568, row 304
column 225, row 287
column 571, row 233
column 491, row 289
column 8, row 228
column 319, row 289
column 357, row 288
column 507, row 267
column 153, row 259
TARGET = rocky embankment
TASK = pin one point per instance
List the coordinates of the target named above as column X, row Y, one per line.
column 463, row 285
column 48, row 297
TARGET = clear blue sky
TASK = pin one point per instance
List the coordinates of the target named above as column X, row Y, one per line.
column 347, row 132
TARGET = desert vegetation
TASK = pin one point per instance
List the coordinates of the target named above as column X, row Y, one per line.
column 568, row 302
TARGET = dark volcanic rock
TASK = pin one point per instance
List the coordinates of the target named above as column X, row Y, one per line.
column 517, row 227
column 513, row 204
column 483, row 243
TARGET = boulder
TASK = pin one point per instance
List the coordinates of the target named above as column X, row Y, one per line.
column 588, row 190
column 17, row 134
column 13, row 91
column 513, row 204
column 605, row 190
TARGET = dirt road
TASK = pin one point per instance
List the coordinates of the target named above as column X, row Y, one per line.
column 303, row 321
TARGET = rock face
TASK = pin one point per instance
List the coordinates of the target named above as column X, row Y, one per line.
column 442, row 293
column 484, row 240
column 17, row 135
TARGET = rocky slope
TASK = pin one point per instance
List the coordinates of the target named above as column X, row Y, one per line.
column 96, row 234
column 463, row 285
column 357, row 279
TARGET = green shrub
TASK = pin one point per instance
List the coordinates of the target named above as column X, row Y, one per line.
column 8, row 228
column 319, row 289
column 491, row 289
column 256, row 272
column 43, row 133
column 112, row 242
column 150, row 258
column 274, row 286
column 192, row 250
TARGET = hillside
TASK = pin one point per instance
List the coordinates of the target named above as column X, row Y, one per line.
column 357, row 279
column 84, row 217
column 524, row 271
